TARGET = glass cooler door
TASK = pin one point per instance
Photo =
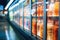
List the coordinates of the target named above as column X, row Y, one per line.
column 21, row 15
column 27, row 16
column 52, row 19
column 40, row 23
column 37, row 19
column 16, row 14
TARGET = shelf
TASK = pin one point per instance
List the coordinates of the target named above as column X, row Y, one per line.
column 27, row 17
column 37, row 17
column 56, row 17
column 21, row 16
column 53, row 17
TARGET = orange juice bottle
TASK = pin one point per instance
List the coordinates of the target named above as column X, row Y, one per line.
column 40, row 10
column 56, row 9
column 34, row 29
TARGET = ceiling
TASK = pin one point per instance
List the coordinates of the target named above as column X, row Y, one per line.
column 4, row 2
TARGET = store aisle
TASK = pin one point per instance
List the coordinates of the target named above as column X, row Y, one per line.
column 7, row 32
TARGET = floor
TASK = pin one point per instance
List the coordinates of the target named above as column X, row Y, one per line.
column 7, row 32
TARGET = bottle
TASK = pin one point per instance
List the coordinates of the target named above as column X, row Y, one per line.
column 56, row 9
column 40, row 10
column 34, row 28
column 51, row 8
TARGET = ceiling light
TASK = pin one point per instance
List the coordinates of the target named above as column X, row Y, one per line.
column 16, row 4
column 9, row 3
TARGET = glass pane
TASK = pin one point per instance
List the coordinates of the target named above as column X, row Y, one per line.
column 50, row 29
column 21, row 9
column 21, row 12
column 40, row 27
column 53, row 8
column 52, row 19
column 40, row 8
column 27, row 11
column 37, row 20
column 16, row 14
column 37, row 8
column 34, row 26
column 34, row 8
column 27, row 8
column 27, row 24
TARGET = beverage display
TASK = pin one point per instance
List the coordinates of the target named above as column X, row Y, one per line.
column 37, row 23
column 31, row 18
column 52, row 20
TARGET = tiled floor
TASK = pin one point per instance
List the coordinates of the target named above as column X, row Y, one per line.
column 7, row 32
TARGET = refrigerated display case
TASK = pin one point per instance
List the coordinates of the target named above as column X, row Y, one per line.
column 31, row 16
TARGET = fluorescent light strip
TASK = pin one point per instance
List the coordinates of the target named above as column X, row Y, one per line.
column 9, row 3
column 16, row 5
